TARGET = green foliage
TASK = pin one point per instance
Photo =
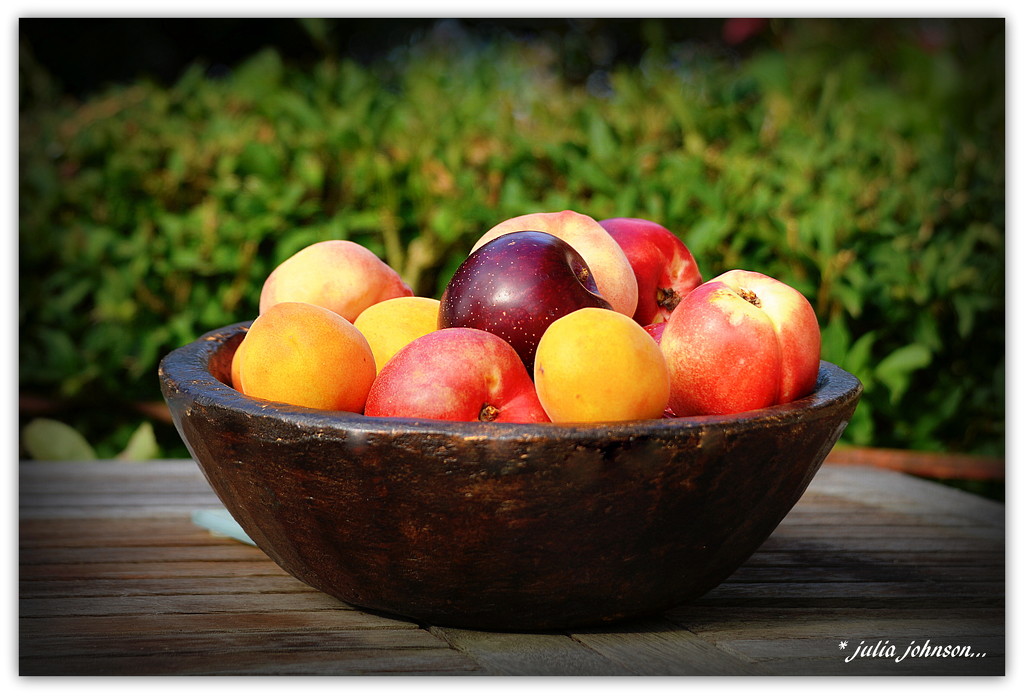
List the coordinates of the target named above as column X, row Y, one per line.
column 869, row 174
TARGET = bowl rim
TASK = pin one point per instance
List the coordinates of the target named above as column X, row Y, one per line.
column 185, row 373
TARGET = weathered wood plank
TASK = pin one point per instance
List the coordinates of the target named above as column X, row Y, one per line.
column 783, row 590
column 151, row 569
column 861, row 572
column 879, row 605
column 339, row 618
column 126, row 509
column 525, row 654
column 173, row 641
column 703, row 618
column 893, row 525
column 715, row 623
column 179, row 604
column 86, row 484
column 112, row 500
column 855, row 517
column 112, row 489
column 660, row 648
column 43, row 533
column 225, row 552
column 382, row 661
column 889, row 542
column 111, row 469
column 141, row 587
column 907, row 495
column 837, row 556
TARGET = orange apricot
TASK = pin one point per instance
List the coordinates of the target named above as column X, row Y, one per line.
column 301, row 354
column 597, row 365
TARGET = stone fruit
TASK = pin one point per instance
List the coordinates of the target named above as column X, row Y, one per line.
column 738, row 342
column 302, row 354
column 456, row 374
column 236, row 364
column 340, row 275
column 796, row 327
column 517, row 284
column 599, row 365
column 665, row 269
column 656, row 330
column 605, row 258
column 389, row 325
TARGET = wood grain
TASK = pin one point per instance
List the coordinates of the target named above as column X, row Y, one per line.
column 114, row 579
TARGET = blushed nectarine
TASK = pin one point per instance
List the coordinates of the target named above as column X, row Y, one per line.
column 739, row 342
column 456, row 374
column 665, row 269
column 796, row 327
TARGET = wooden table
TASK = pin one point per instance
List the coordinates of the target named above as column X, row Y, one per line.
column 115, row 579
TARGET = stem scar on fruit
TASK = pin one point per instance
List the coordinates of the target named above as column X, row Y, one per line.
column 750, row 297
column 488, row 413
column 668, row 298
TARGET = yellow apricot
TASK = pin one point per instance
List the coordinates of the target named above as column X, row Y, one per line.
column 305, row 355
column 599, row 365
column 389, row 325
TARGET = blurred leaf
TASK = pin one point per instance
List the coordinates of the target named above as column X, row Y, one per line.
column 142, row 444
column 50, row 440
column 708, row 232
column 259, row 159
column 895, row 369
column 835, row 342
column 858, row 358
column 602, row 143
column 259, row 76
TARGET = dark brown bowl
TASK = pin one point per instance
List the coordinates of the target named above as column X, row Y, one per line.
column 493, row 525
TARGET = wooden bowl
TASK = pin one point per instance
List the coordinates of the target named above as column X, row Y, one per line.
column 493, row 525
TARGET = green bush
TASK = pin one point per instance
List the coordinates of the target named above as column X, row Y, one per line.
column 869, row 174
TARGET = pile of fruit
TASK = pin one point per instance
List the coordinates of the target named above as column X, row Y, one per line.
column 553, row 317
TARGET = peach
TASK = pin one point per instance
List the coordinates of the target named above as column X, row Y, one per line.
column 389, row 325
column 456, row 374
column 339, row 275
column 614, row 276
column 600, row 365
column 302, row 354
